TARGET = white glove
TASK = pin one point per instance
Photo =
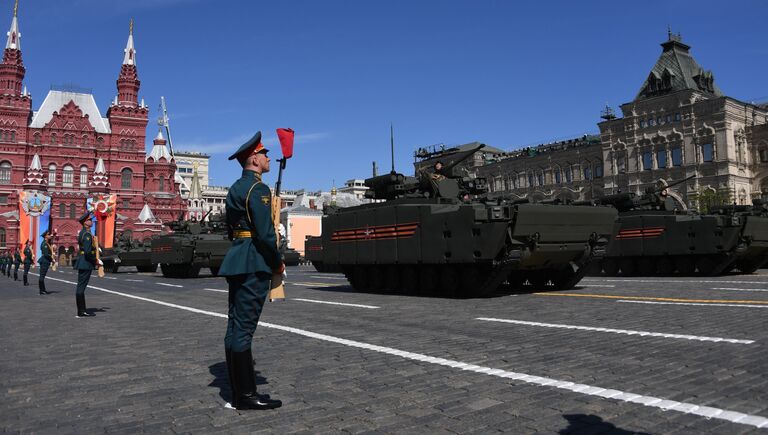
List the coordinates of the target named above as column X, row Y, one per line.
column 101, row 263
column 100, row 251
column 285, row 275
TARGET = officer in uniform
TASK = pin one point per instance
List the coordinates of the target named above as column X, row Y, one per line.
column 46, row 258
column 16, row 264
column 85, row 263
column 8, row 263
column 248, row 267
column 27, row 261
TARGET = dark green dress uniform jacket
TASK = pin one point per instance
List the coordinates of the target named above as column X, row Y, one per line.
column 46, row 256
column 27, row 256
column 258, row 253
column 16, row 258
column 86, row 259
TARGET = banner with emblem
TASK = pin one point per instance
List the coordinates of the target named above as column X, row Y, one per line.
column 34, row 218
column 104, row 209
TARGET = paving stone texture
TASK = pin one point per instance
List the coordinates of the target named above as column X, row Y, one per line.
column 139, row 366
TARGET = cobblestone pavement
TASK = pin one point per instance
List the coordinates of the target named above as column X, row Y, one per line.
column 646, row 355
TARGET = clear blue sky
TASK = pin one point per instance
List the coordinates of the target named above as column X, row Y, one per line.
column 505, row 73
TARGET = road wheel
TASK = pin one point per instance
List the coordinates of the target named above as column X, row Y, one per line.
column 409, row 279
column 470, row 280
column 449, row 281
column 114, row 268
column 628, row 267
column 611, row 267
column 191, row 272
column 147, row 269
column 167, row 270
column 685, row 265
column 375, row 278
column 646, row 266
column 706, row 265
column 665, row 266
column 359, row 279
column 747, row 266
column 427, row 280
column 215, row 271
column 392, row 279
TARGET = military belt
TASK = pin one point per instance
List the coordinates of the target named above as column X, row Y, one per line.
column 242, row 234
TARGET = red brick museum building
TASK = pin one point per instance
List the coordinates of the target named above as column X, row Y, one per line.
column 68, row 151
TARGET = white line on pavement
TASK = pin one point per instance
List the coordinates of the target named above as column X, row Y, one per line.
column 335, row 303
column 692, row 303
column 741, row 289
column 674, row 281
column 169, row 285
column 650, row 401
column 600, row 285
column 620, row 331
column 134, row 280
column 216, row 290
column 312, row 284
column 328, row 277
column 108, row 277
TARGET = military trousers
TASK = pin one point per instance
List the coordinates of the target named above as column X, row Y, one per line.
column 16, row 271
column 247, row 294
column 41, row 279
column 26, row 273
column 83, row 277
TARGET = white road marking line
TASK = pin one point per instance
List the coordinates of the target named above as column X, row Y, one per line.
column 169, row 285
column 600, row 285
column 312, row 284
column 216, row 290
column 108, row 277
column 693, row 303
column 680, row 281
column 335, row 303
column 757, row 421
column 621, row 331
column 741, row 289
column 134, row 280
column 328, row 277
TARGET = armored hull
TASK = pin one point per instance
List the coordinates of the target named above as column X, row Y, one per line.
column 450, row 247
column 189, row 248
column 663, row 242
column 135, row 254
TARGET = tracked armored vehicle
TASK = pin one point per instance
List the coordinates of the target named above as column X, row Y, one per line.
column 128, row 252
column 441, row 235
column 657, row 236
column 191, row 246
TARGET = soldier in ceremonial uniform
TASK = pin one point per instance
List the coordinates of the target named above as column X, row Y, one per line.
column 27, row 261
column 16, row 264
column 248, row 267
column 85, row 263
column 46, row 258
column 3, row 262
column 9, row 264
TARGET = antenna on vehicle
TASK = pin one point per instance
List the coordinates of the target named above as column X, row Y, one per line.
column 392, row 145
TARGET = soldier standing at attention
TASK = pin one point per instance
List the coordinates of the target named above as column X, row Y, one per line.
column 85, row 263
column 46, row 258
column 3, row 262
column 16, row 264
column 248, row 267
column 9, row 263
column 27, row 261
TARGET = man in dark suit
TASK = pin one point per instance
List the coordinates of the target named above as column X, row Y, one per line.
column 27, row 261
column 85, row 263
column 248, row 267
column 46, row 258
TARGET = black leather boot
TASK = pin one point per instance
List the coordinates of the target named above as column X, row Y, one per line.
column 41, row 285
column 81, row 310
column 245, row 395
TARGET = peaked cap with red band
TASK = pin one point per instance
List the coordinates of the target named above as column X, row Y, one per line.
column 253, row 145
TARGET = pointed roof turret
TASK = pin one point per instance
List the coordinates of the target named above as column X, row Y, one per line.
column 14, row 36
column 195, row 191
column 159, row 149
column 130, row 51
column 677, row 70
column 146, row 215
column 35, row 179
column 100, row 181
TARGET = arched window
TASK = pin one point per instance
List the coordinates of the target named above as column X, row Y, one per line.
column 13, row 136
column 36, row 139
column 52, row 175
column 72, row 211
column 162, row 184
column 68, row 176
column 126, row 175
column 558, row 176
column 5, row 173
column 62, row 210
column 83, row 177
column 85, row 140
column 599, row 170
column 2, row 237
column 53, row 139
